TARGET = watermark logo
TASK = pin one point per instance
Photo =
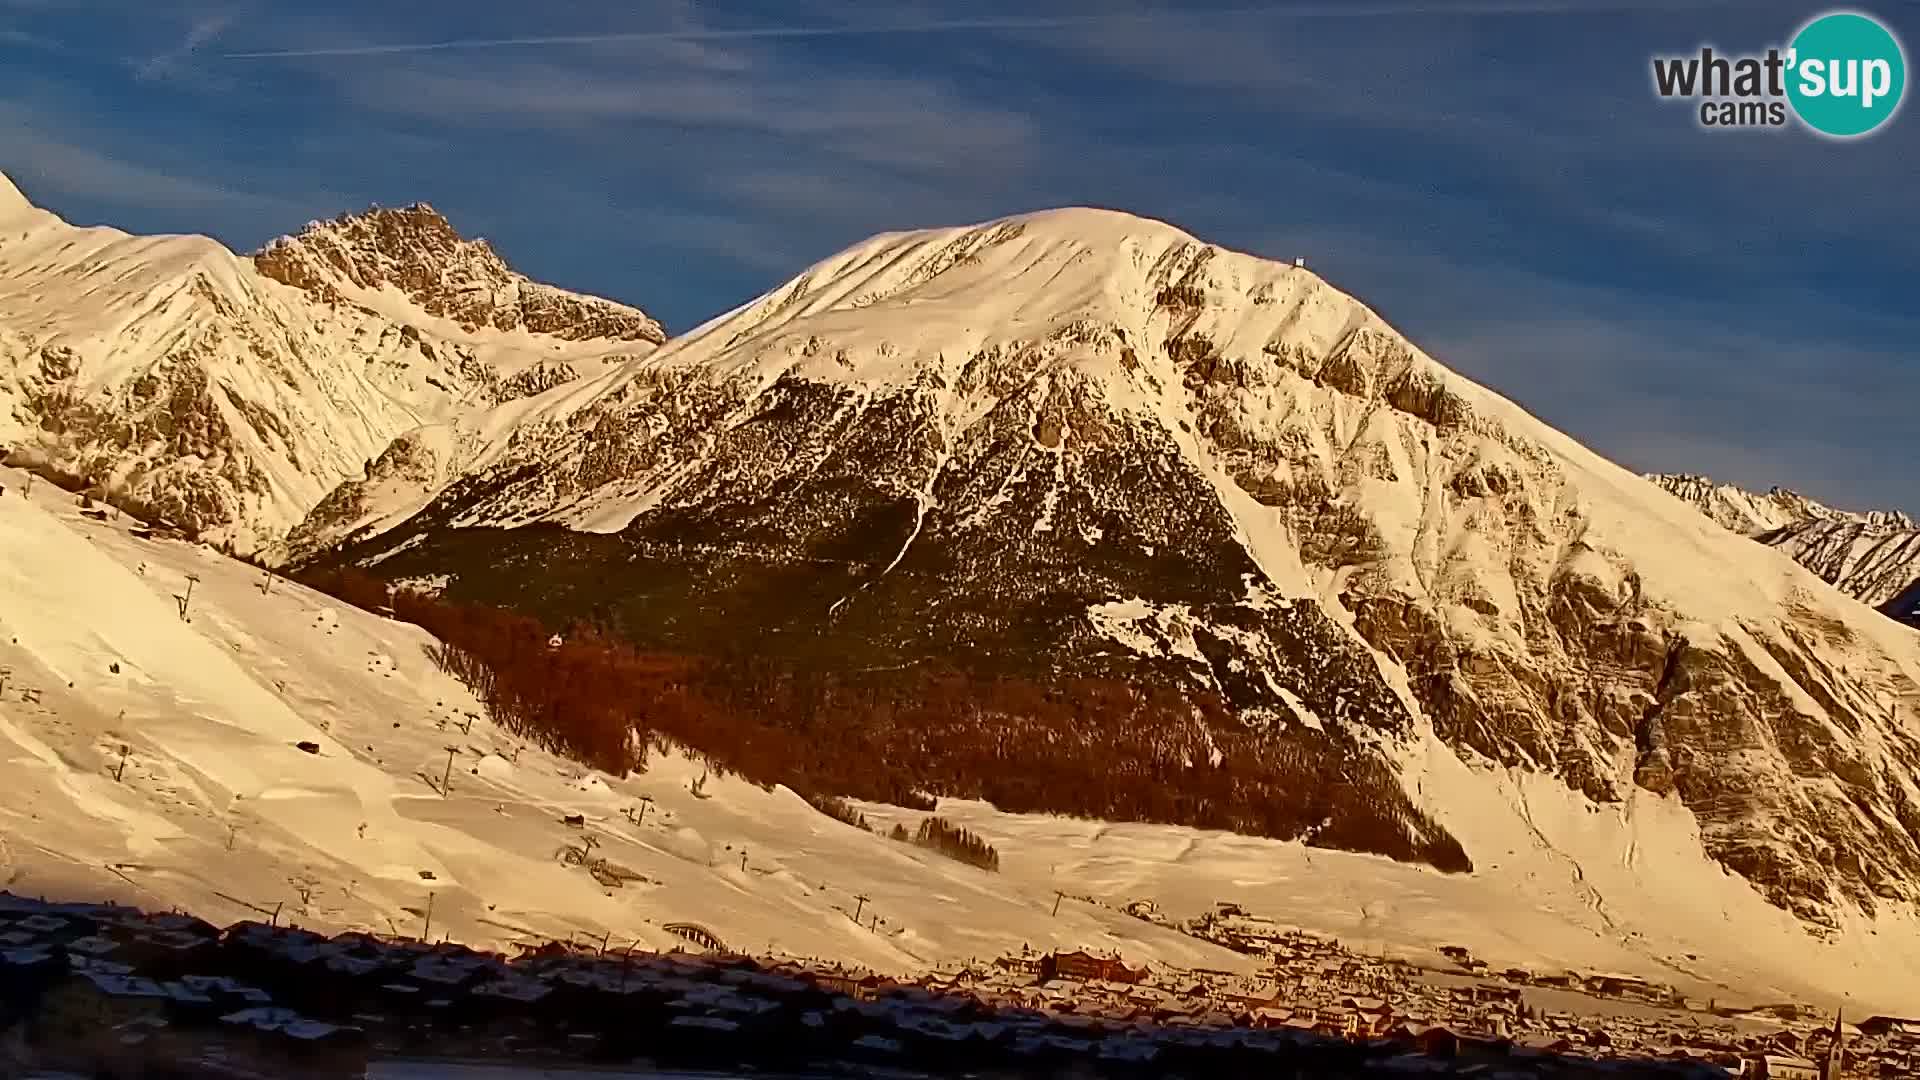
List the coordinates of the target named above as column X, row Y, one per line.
column 1843, row 75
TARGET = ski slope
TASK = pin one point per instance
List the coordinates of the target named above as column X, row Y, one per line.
column 212, row 708
column 218, row 812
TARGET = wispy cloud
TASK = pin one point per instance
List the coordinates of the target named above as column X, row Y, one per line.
column 201, row 32
column 20, row 39
column 63, row 160
column 42, row 160
column 988, row 24
column 885, row 121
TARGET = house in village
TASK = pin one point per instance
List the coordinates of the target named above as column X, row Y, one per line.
column 299, row 1043
column 1371, row 1016
column 1431, row 1040
column 1886, row 1026
column 1025, row 964
column 859, row 985
column 84, row 1004
column 1780, row 1067
column 1086, row 966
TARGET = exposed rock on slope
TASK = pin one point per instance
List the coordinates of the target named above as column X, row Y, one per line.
column 397, row 482
column 168, row 370
column 415, row 251
column 1870, row 560
column 1082, row 442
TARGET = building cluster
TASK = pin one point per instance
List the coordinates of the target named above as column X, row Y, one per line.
column 1320, row 984
column 114, row 991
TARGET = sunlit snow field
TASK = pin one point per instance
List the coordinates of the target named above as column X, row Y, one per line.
column 217, row 811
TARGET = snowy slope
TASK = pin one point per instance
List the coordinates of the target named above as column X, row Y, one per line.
column 1090, row 437
column 172, row 370
column 212, row 708
column 218, row 812
column 1872, row 555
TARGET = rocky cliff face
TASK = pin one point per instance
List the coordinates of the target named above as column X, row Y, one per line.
column 1875, row 561
column 416, row 252
column 1082, row 442
column 170, row 373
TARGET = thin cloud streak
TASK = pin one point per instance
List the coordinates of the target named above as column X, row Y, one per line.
column 1476, row 8
column 1516, row 235
column 200, row 34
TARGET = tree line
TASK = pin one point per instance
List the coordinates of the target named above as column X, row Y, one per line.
column 953, row 841
column 1091, row 747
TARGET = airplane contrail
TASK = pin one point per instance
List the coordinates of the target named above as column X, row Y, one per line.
column 1011, row 22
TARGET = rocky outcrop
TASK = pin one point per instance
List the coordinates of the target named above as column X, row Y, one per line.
column 416, row 252
column 216, row 401
column 1873, row 560
column 415, row 463
column 161, row 442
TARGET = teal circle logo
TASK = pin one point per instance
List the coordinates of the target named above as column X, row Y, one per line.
column 1846, row 74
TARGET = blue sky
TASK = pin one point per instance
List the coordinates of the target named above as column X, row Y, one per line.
column 1495, row 177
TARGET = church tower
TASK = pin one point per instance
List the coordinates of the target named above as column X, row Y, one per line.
column 1836, row 1052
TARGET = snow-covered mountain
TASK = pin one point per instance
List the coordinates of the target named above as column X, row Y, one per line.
column 1872, row 555
column 200, row 383
column 410, row 260
column 213, row 806
column 1074, row 443
column 156, row 759
column 1083, row 443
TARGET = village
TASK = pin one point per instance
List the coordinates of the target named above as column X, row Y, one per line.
column 115, row 991
column 1314, row 984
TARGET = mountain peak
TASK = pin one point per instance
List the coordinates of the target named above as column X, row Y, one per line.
column 415, row 251
column 1095, row 447
column 1100, row 221
column 1101, row 285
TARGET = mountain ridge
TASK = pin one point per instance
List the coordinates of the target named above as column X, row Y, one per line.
column 342, row 835
column 12, row 199
column 1751, row 512
column 172, row 373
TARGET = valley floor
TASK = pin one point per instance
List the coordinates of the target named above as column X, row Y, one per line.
column 153, row 695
